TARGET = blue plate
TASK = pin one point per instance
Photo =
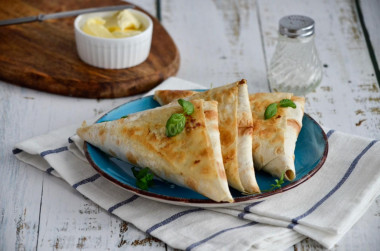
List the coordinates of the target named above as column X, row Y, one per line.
column 310, row 154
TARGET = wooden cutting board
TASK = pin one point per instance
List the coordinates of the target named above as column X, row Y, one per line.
column 43, row 56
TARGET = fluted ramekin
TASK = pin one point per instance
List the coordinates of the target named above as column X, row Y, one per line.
column 113, row 53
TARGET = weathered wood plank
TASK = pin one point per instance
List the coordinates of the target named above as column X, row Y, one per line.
column 370, row 10
column 219, row 41
column 19, row 207
column 20, row 185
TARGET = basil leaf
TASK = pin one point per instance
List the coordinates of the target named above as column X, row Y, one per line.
column 175, row 124
column 270, row 111
column 288, row 103
column 143, row 172
column 187, row 106
column 278, row 184
column 144, row 178
column 125, row 116
column 149, row 179
column 142, row 185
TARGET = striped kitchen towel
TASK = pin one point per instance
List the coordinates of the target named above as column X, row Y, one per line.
column 324, row 208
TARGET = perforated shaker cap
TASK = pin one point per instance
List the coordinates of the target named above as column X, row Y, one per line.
column 294, row 26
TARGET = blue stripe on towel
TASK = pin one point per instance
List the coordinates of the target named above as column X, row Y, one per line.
column 332, row 191
column 172, row 218
column 70, row 140
column 58, row 150
column 329, row 133
column 196, row 244
column 16, row 151
column 122, row 203
column 90, row 179
column 49, row 170
column 247, row 208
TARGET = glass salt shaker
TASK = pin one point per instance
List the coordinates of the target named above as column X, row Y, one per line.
column 295, row 66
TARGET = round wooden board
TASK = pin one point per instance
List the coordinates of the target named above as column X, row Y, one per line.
column 43, row 56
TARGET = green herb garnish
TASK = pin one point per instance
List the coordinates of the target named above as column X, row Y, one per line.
column 125, row 116
column 176, row 122
column 144, row 178
column 272, row 108
column 187, row 106
column 270, row 111
column 278, row 184
column 288, row 103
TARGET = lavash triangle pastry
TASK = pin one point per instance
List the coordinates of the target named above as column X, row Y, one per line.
column 274, row 139
column 235, row 126
column 192, row 158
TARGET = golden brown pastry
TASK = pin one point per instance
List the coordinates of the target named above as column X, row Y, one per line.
column 235, row 126
column 192, row 158
column 274, row 139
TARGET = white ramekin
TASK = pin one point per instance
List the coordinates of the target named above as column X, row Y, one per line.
column 113, row 53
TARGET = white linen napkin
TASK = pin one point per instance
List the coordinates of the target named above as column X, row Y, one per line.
column 324, row 208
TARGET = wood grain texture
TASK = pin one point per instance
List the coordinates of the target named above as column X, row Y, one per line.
column 370, row 10
column 20, row 185
column 219, row 41
column 43, row 55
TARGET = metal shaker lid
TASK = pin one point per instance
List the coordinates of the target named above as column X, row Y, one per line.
column 294, row 26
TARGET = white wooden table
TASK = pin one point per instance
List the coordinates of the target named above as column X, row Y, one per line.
column 219, row 42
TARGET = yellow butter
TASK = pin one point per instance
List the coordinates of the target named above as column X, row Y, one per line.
column 121, row 24
column 127, row 20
